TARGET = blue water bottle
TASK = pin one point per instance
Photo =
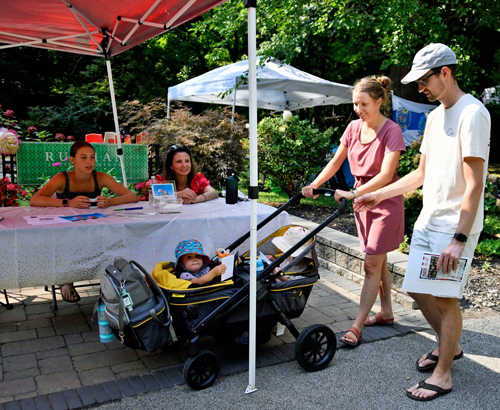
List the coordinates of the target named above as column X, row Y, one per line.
column 260, row 266
column 105, row 333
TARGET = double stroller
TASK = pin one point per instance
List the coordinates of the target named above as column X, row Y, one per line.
column 221, row 309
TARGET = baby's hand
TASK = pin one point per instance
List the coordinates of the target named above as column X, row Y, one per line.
column 219, row 270
column 271, row 258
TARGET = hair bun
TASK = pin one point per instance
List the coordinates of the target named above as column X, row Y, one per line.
column 385, row 82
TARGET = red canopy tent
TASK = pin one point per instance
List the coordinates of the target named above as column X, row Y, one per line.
column 105, row 28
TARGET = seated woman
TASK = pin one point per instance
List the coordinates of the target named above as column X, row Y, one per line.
column 76, row 188
column 192, row 187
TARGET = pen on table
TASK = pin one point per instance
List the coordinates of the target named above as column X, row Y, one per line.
column 128, row 209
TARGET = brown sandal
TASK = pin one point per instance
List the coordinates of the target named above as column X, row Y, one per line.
column 357, row 337
column 379, row 321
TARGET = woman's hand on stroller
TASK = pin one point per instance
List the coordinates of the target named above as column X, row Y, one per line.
column 339, row 194
column 307, row 191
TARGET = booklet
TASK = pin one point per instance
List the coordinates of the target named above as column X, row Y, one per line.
column 422, row 275
column 230, row 262
column 83, row 217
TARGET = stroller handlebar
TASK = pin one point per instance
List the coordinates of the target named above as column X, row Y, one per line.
column 331, row 192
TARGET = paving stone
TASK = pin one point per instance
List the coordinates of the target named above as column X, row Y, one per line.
column 86, row 348
column 13, row 315
column 8, row 327
column 70, row 324
column 130, row 373
column 72, row 399
column 115, row 344
column 125, row 367
column 42, row 402
column 112, row 390
column 61, row 364
column 90, row 336
column 175, row 374
column 28, row 404
column 151, row 382
column 99, row 393
column 138, row 384
column 57, row 381
column 40, row 316
column 288, row 350
column 45, row 332
column 51, row 353
column 86, row 396
column 6, row 399
column 38, row 308
column 14, row 363
column 96, row 376
column 162, row 360
column 102, row 359
column 72, row 310
column 73, row 338
column 266, row 358
column 57, row 401
column 32, row 346
column 17, row 336
column 22, row 374
column 13, row 405
column 23, row 396
column 126, row 387
column 163, row 379
column 12, row 387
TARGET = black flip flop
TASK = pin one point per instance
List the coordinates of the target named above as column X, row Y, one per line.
column 423, row 385
column 434, row 358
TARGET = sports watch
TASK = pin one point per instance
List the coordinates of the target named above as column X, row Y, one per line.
column 460, row 237
column 65, row 202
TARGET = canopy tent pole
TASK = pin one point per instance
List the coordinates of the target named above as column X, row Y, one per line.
column 253, row 190
column 234, row 102
column 119, row 150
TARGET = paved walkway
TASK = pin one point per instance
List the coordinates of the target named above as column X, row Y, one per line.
column 54, row 360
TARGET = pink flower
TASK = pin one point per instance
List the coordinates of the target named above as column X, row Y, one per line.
column 32, row 130
column 12, row 187
column 9, row 113
column 24, row 192
column 56, row 164
column 60, row 137
column 70, row 138
column 6, row 180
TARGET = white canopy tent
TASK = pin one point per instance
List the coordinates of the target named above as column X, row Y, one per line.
column 490, row 95
column 279, row 87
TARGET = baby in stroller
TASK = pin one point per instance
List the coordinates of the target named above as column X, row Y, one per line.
column 283, row 243
column 192, row 263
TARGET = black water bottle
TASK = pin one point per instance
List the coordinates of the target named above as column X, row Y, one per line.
column 231, row 190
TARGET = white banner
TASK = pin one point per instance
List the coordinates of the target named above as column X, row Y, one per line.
column 411, row 117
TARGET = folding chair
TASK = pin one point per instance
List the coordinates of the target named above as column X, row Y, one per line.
column 94, row 138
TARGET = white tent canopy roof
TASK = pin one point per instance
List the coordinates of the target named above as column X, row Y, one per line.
column 279, row 87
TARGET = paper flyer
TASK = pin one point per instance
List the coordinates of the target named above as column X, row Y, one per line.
column 83, row 217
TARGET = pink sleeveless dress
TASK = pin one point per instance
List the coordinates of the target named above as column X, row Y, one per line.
column 381, row 229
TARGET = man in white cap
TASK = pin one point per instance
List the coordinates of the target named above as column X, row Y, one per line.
column 452, row 170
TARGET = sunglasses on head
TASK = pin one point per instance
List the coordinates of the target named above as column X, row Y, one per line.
column 423, row 81
column 176, row 147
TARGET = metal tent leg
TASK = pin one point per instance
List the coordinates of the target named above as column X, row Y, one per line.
column 6, row 304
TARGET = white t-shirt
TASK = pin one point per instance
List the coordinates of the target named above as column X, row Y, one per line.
column 451, row 135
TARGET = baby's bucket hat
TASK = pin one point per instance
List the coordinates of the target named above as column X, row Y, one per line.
column 189, row 246
column 293, row 235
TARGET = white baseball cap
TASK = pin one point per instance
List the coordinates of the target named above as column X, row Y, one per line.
column 431, row 56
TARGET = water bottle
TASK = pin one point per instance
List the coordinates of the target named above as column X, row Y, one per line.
column 152, row 201
column 105, row 333
column 231, row 190
column 260, row 266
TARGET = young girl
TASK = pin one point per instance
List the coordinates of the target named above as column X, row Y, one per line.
column 76, row 188
column 192, row 263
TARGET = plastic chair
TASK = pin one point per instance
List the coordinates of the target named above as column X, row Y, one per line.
column 93, row 138
column 127, row 140
column 110, row 137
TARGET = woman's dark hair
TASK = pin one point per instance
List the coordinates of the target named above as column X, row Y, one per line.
column 77, row 145
column 169, row 174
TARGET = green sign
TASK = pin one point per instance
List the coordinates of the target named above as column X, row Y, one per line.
column 45, row 159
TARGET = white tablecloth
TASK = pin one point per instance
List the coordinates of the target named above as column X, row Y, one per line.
column 75, row 251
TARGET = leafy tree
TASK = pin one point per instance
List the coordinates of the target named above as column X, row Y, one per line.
column 290, row 153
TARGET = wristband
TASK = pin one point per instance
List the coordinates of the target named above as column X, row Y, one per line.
column 204, row 196
column 355, row 192
column 460, row 237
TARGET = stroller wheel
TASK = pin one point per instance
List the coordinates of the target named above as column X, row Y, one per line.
column 202, row 370
column 315, row 347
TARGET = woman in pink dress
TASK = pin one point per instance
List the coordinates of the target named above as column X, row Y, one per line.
column 373, row 145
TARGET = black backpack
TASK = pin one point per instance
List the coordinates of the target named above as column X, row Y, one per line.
column 136, row 308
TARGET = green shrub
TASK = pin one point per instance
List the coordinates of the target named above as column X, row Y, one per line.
column 291, row 153
column 489, row 248
column 214, row 143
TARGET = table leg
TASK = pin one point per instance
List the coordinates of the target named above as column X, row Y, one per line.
column 6, row 304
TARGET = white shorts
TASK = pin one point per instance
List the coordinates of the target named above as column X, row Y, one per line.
column 432, row 241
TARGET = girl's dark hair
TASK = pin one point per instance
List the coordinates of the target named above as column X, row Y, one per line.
column 77, row 145
column 168, row 172
column 375, row 87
